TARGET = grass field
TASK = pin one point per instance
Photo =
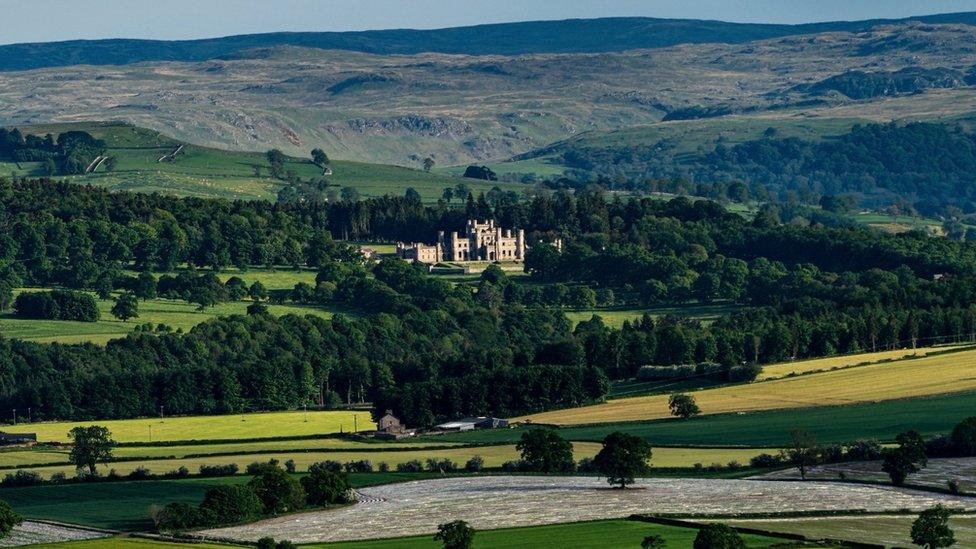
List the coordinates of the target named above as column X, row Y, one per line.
column 174, row 313
column 932, row 375
column 125, row 505
column 616, row 317
column 581, row 535
column 228, row 427
column 774, row 371
column 829, row 424
column 494, row 456
column 208, row 172
column 280, row 278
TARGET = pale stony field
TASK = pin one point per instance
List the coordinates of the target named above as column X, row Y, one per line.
column 936, row 473
column 30, row 533
column 415, row 508
column 890, row 530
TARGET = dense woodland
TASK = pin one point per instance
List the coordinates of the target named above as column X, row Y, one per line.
column 929, row 165
column 430, row 349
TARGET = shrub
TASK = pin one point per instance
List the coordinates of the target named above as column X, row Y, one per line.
column 179, row 472
column 442, row 465
column 177, row 516
column 231, row 504
column 586, row 465
column 475, row 464
column 765, row 460
column 8, row 519
column 290, row 466
column 140, row 473
column 412, row 466
column 514, row 465
column 359, row 466
column 218, row 470
column 22, row 478
column 953, row 486
column 260, row 467
column 58, row 478
column 863, row 450
column 383, row 467
column 278, row 491
column 964, row 437
column 718, row 536
column 323, row 486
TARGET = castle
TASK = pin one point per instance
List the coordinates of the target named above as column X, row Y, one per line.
column 478, row 242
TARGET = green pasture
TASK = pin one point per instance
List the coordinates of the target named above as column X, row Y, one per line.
column 215, row 173
column 226, row 427
column 174, row 313
column 580, row 535
column 616, row 317
column 127, row 543
column 829, row 424
column 278, row 278
column 125, row 505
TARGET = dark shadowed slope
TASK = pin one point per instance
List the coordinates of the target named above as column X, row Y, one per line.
column 568, row 36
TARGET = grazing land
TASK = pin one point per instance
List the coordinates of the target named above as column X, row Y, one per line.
column 225, row 427
column 216, row 173
column 890, row 530
column 616, row 317
column 162, row 460
column 785, row 369
column 416, row 508
column 176, row 314
column 581, row 535
column 931, row 375
column 829, row 424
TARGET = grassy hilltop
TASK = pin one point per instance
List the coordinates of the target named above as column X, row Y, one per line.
column 215, row 173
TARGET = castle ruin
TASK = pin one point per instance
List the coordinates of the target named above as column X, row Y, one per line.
column 477, row 242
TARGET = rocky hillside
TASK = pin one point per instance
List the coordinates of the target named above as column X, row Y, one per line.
column 464, row 108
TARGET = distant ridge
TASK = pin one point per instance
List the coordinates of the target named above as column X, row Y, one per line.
column 567, row 36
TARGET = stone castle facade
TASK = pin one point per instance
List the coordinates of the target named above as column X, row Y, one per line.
column 477, row 242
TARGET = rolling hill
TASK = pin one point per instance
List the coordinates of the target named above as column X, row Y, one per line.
column 480, row 107
column 566, row 36
column 143, row 166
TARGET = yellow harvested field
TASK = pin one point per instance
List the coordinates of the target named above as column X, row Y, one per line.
column 494, row 456
column 774, row 371
column 226, row 427
column 931, row 375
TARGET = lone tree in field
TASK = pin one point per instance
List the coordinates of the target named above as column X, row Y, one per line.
column 455, row 535
column 89, row 446
column 8, row 519
column 683, row 405
column 803, row 451
column 718, row 536
column 653, row 541
column 428, row 164
column 931, row 528
column 623, row 457
column 276, row 159
column 126, row 307
column 319, row 157
column 545, row 451
column 448, row 194
column 907, row 458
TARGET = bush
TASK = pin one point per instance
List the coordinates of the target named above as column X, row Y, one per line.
column 177, row 516
column 864, row 450
column 765, row 460
column 586, row 465
column 22, row 478
column 383, row 467
column 475, row 464
column 179, row 472
column 261, row 467
column 953, row 486
column 230, row 504
column 718, row 536
column 442, row 465
column 514, row 465
column 140, row 473
column 218, row 470
column 360, row 466
column 323, row 487
column 58, row 478
column 290, row 466
column 964, row 437
column 940, row 446
column 412, row 466
column 278, row 491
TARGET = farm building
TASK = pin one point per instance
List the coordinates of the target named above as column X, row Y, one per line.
column 17, row 438
column 389, row 427
column 471, row 423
